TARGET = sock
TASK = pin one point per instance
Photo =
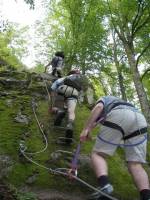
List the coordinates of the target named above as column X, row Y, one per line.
column 145, row 194
column 103, row 180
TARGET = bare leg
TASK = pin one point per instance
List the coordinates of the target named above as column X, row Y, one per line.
column 99, row 164
column 139, row 175
column 71, row 104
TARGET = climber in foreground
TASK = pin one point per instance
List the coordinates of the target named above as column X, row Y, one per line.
column 119, row 121
column 69, row 87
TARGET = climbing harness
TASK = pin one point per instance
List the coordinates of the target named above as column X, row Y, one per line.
column 123, row 145
column 119, row 128
column 57, row 171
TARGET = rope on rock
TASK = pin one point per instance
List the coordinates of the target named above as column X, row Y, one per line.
column 62, row 171
column 57, row 171
column 40, row 125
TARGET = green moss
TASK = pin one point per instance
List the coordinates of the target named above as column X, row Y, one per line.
column 19, row 173
column 12, row 132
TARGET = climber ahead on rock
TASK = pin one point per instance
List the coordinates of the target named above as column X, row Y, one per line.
column 69, row 87
column 57, row 64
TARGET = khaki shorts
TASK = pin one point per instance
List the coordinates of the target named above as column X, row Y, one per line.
column 130, row 122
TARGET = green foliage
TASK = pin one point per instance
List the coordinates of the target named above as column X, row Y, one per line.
column 11, row 133
column 12, row 47
column 39, row 68
column 98, row 88
column 81, row 29
column 75, row 27
column 146, row 81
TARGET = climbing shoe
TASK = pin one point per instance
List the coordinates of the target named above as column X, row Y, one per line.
column 108, row 189
column 59, row 117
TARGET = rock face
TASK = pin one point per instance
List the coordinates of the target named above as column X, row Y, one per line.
column 20, row 92
column 22, row 81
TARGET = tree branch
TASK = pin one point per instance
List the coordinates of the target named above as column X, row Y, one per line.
column 138, row 16
column 141, row 54
column 113, row 23
column 144, row 74
column 140, row 26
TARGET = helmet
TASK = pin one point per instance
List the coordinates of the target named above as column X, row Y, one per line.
column 74, row 71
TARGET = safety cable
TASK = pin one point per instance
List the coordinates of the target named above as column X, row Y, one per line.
column 48, row 94
column 62, row 171
column 40, row 127
column 57, row 171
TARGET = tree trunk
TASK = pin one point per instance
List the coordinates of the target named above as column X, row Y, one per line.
column 137, row 82
column 103, row 84
column 120, row 77
column 121, row 84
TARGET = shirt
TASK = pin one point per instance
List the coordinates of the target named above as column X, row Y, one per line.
column 111, row 102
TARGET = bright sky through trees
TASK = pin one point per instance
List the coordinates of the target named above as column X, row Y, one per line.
column 18, row 11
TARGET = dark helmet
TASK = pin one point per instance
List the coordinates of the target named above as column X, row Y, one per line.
column 74, row 71
column 60, row 54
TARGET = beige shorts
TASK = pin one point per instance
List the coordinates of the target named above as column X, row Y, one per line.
column 130, row 122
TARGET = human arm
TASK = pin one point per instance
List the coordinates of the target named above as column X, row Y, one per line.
column 54, row 88
column 91, row 122
column 47, row 66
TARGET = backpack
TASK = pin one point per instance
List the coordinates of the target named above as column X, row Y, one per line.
column 55, row 61
column 74, row 81
column 67, row 91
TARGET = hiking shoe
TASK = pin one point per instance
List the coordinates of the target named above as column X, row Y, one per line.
column 69, row 133
column 108, row 189
column 59, row 117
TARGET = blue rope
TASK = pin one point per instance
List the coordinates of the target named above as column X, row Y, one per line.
column 123, row 145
